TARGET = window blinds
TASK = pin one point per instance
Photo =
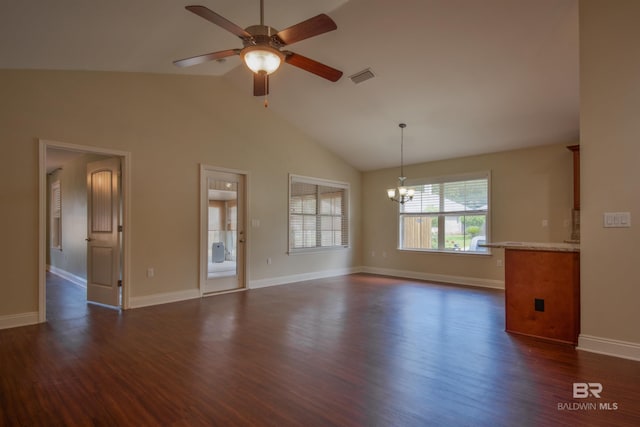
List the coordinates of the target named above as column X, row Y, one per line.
column 56, row 216
column 318, row 214
column 465, row 196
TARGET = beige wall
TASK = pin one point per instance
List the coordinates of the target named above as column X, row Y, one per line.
column 527, row 187
column 169, row 124
column 610, row 154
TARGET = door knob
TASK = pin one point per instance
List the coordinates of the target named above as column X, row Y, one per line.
column 88, row 239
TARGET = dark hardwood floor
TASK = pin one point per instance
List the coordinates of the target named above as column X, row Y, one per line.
column 358, row 350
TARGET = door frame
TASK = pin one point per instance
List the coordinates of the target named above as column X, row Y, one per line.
column 43, row 228
column 203, row 241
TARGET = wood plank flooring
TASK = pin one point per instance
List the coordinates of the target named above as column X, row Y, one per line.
column 357, row 350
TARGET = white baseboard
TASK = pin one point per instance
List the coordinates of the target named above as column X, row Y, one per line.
column 156, row 299
column 15, row 320
column 145, row 301
column 149, row 300
column 283, row 280
column 443, row 278
column 77, row 280
column 617, row 348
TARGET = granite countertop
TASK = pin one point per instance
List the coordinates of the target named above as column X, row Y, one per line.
column 536, row 246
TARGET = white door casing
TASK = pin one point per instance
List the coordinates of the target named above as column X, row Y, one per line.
column 125, row 184
column 103, row 232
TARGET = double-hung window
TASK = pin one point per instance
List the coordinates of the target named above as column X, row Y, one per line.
column 318, row 214
column 447, row 214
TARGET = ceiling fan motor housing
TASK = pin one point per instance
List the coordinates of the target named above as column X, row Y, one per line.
column 263, row 35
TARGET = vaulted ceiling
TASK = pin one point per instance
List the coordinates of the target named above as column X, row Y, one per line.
column 467, row 76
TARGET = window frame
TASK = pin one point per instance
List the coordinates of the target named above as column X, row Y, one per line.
column 443, row 179
column 345, row 220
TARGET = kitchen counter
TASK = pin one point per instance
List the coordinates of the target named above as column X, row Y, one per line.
column 542, row 289
column 536, row 246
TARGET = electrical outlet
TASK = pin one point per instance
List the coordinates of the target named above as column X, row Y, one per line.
column 151, row 272
column 498, row 263
column 538, row 304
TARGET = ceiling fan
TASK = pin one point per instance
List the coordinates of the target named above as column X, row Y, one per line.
column 262, row 47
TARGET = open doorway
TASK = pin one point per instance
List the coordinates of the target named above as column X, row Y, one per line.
column 67, row 245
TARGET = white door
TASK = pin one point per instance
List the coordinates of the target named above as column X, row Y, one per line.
column 222, row 235
column 103, row 231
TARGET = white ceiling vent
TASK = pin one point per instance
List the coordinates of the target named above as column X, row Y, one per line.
column 361, row 76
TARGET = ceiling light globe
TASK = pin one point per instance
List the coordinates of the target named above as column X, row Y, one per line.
column 262, row 59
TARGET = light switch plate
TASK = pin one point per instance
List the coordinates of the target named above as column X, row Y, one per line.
column 617, row 219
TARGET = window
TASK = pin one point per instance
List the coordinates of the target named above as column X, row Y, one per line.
column 318, row 217
column 56, row 216
column 447, row 214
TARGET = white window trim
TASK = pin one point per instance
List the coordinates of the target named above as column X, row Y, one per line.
column 324, row 182
column 451, row 178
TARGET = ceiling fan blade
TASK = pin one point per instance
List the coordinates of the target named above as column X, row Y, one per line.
column 317, row 25
column 260, row 84
column 312, row 66
column 223, row 22
column 195, row 60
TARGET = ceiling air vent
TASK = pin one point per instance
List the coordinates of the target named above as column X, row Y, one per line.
column 361, row 76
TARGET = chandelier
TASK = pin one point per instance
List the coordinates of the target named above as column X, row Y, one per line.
column 401, row 194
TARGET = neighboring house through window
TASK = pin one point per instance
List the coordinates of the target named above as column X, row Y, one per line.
column 447, row 214
column 318, row 214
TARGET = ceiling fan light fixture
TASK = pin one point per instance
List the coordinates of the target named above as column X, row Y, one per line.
column 262, row 59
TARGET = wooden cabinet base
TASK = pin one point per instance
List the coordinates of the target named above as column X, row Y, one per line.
column 542, row 294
